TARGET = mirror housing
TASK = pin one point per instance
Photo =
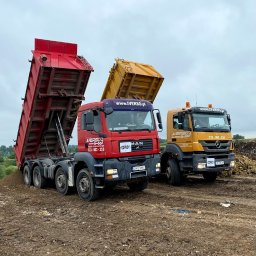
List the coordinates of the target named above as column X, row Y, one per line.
column 229, row 120
column 157, row 115
column 159, row 119
column 88, row 121
column 180, row 117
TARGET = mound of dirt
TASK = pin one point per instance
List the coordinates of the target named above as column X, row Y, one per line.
column 246, row 147
column 244, row 166
column 15, row 178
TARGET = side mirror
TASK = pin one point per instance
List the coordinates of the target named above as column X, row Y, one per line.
column 88, row 121
column 229, row 120
column 180, row 117
column 159, row 119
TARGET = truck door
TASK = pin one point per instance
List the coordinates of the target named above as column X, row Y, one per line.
column 182, row 131
column 91, row 129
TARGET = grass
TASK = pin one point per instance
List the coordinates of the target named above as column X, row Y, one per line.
column 7, row 166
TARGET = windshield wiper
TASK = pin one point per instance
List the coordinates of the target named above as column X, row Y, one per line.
column 143, row 129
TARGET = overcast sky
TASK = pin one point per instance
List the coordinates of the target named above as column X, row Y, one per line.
column 206, row 50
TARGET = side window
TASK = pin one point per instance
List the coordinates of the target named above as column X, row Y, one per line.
column 184, row 125
column 96, row 121
column 175, row 122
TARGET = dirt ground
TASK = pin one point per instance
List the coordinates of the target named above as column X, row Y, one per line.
column 161, row 220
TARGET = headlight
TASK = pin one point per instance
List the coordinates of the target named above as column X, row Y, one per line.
column 232, row 163
column 111, row 171
column 201, row 165
column 158, row 165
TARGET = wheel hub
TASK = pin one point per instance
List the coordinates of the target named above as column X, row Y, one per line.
column 84, row 185
column 61, row 182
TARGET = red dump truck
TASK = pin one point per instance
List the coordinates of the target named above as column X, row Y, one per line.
column 113, row 147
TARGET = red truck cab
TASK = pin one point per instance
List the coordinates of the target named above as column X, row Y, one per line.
column 121, row 135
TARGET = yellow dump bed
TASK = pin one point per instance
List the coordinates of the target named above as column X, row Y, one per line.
column 129, row 79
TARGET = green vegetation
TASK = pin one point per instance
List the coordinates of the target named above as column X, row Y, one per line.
column 162, row 144
column 238, row 137
column 7, row 161
column 72, row 148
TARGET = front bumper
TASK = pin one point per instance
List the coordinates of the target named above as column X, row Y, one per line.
column 128, row 169
column 212, row 163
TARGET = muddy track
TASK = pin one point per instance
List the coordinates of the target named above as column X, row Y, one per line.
column 161, row 220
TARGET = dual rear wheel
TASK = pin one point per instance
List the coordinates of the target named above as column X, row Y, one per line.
column 33, row 177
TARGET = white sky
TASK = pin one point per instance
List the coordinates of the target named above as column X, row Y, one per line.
column 206, row 50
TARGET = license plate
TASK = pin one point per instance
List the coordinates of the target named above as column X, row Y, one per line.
column 219, row 162
column 139, row 168
column 210, row 162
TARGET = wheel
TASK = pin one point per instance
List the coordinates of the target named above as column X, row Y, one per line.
column 38, row 180
column 61, row 181
column 139, row 185
column 173, row 173
column 85, row 186
column 27, row 176
column 210, row 176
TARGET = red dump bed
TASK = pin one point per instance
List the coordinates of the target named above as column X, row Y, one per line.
column 56, row 84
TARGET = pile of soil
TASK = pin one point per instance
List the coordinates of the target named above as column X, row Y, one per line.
column 245, row 151
column 246, row 148
column 13, row 179
column 244, row 166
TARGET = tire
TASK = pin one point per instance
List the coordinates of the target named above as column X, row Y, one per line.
column 38, row 180
column 85, row 186
column 173, row 173
column 61, row 182
column 210, row 176
column 139, row 185
column 27, row 177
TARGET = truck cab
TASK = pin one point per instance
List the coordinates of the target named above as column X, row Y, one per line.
column 121, row 135
column 199, row 141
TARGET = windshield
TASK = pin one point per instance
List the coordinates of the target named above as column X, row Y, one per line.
column 210, row 122
column 130, row 121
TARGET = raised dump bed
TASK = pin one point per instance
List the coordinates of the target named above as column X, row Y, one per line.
column 129, row 79
column 56, row 84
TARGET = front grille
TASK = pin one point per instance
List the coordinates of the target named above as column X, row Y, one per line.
column 136, row 145
column 142, row 145
column 216, row 145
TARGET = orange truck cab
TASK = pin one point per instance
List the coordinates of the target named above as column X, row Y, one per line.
column 199, row 141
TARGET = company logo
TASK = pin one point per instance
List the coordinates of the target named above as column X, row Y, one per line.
column 217, row 144
column 131, row 103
